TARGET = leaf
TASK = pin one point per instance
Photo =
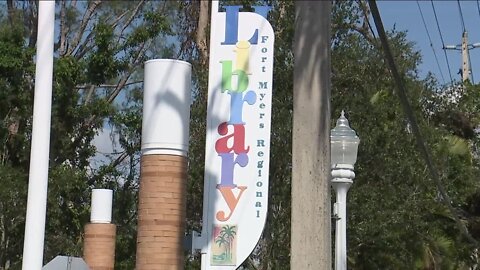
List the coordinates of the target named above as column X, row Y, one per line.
column 457, row 145
column 375, row 97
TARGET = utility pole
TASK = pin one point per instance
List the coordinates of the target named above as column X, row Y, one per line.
column 465, row 63
column 311, row 213
column 464, row 47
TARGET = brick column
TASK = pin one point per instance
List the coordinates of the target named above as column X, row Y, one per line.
column 161, row 212
column 99, row 246
column 163, row 168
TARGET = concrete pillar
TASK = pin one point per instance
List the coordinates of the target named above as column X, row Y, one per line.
column 162, row 196
column 99, row 239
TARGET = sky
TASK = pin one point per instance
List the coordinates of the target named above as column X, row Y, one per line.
column 405, row 16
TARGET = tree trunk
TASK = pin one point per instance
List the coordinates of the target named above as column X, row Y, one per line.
column 201, row 37
column 311, row 220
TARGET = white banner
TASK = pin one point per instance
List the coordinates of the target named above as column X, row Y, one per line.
column 238, row 135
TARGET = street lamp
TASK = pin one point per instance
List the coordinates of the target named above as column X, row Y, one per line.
column 344, row 147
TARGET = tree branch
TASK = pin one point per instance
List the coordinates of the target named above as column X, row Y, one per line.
column 83, row 48
column 83, row 86
column 369, row 34
column 85, row 20
column 124, row 79
column 130, row 19
column 63, row 29
column 32, row 21
column 119, row 159
column 89, row 94
column 11, row 11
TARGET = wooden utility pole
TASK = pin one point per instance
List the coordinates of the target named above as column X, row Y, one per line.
column 311, row 217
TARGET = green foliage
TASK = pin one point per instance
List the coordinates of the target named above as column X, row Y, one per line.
column 99, row 52
column 393, row 204
column 12, row 53
column 68, row 208
column 102, row 64
column 13, row 197
column 396, row 218
column 154, row 24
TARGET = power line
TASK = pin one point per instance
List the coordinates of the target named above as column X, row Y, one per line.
column 461, row 16
column 431, row 43
column 407, row 108
column 443, row 42
column 478, row 7
column 371, row 29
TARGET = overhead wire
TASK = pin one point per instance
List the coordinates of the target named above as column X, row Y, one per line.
column 431, row 43
column 461, row 16
column 407, row 108
column 478, row 7
column 365, row 13
column 443, row 42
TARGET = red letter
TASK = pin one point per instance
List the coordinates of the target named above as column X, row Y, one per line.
column 238, row 135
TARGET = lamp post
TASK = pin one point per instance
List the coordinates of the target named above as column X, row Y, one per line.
column 344, row 147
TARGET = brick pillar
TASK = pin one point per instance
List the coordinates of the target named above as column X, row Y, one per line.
column 99, row 246
column 161, row 212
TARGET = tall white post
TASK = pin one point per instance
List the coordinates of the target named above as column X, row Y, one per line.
column 342, row 180
column 39, row 153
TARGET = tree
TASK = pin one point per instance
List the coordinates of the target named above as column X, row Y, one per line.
column 395, row 216
column 396, row 219
column 395, row 210
column 99, row 52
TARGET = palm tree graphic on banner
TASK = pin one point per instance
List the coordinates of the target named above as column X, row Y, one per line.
column 224, row 249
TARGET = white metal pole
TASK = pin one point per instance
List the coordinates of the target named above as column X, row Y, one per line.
column 39, row 153
column 341, row 225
